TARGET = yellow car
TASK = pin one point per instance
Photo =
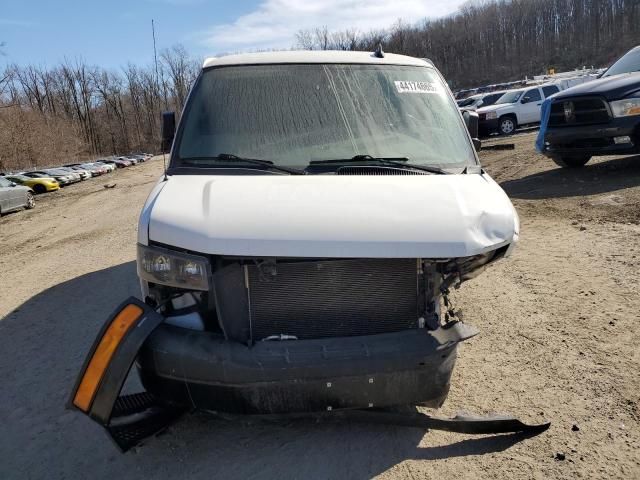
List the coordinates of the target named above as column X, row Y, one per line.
column 38, row 185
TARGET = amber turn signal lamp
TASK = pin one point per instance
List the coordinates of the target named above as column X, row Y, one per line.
column 99, row 362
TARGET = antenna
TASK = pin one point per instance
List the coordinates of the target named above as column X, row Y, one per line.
column 155, row 54
column 164, row 164
column 155, row 59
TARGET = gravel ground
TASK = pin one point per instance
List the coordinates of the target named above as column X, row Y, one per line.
column 559, row 335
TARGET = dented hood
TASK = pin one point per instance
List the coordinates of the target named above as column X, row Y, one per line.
column 435, row 216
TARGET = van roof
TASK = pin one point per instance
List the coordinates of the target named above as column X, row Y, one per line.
column 311, row 56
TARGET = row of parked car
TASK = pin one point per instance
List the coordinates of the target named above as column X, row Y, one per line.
column 592, row 116
column 17, row 190
column 504, row 111
column 515, row 108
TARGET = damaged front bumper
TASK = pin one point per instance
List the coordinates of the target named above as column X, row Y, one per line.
column 185, row 370
column 203, row 370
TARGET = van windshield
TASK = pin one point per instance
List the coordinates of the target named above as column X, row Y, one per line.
column 294, row 114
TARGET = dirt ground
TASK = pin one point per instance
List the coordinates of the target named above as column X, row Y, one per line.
column 559, row 328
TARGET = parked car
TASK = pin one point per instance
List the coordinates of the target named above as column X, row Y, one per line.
column 130, row 161
column 96, row 169
column 14, row 196
column 477, row 101
column 515, row 108
column 63, row 179
column 116, row 162
column 109, row 166
column 83, row 172
column 38, row 185
column 601, row 117
column 74, row 176
column 296, row 260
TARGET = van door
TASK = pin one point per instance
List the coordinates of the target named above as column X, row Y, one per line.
column 529, row 111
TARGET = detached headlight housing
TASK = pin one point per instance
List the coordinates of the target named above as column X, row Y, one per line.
column 491, row 115
column 175, row 269
column 626, row 107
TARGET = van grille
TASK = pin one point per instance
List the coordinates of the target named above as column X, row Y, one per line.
column 333, row 298
column 578, row 111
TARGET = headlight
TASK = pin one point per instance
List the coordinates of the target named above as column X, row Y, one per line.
column 491, row 115
column 626, row 107
column 176, row 269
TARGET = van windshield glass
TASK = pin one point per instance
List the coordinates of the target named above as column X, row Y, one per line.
column 295, row 114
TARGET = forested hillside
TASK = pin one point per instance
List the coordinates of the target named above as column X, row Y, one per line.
column 75, row 110
column 503, row 40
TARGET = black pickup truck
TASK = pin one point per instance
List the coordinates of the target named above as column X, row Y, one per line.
column 601, row 117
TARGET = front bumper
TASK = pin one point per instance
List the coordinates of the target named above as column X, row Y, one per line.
column 204, row 371
column 487, row 127
column 396, row 368
column 594, row 139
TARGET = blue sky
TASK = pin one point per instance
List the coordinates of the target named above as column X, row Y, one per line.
column 112, row 33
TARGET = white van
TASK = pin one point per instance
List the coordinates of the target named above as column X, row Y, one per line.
column 317, row 208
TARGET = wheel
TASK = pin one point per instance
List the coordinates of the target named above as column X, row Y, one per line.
column 39, row 188
column 507, row 125
column 31, row 202
column 571, row 161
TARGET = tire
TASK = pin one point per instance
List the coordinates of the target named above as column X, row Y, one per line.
column 507, row 125
column 39, row 188
column 571, row 161
column 30, row 201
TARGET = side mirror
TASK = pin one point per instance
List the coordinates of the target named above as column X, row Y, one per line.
column 13, row 184
column 168, row 130
column 525, row 100
column 471, row 120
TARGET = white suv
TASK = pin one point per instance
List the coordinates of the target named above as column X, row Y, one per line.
column 514, row 109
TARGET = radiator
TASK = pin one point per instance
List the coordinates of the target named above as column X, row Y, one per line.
column 332, row 298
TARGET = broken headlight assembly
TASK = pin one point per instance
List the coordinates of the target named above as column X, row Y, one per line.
column 172, row 268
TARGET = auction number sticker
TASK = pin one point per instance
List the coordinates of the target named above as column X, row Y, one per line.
column 407, row 86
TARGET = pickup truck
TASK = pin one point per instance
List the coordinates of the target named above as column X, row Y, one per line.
column 601, row 117
column 481, row 100
column 298, row 254
column 515, row 108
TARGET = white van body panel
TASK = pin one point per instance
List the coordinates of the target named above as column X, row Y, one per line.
column 338, row 216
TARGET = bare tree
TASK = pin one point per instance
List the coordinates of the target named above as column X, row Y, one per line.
column 75, row 111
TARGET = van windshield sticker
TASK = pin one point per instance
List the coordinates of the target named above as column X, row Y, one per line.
column 406, row 86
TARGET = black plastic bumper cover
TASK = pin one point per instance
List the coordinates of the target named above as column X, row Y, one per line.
column 594, row 139
column 301, row 376
column 487, row 127
column 202, row 370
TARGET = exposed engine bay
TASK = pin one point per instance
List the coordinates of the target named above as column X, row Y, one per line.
column 275, row 299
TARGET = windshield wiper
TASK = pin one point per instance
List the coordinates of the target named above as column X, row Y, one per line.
column 231, row 158
column 391, row 161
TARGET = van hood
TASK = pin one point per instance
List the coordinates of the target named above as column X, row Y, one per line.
column 421, row 216
column 612, row 88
